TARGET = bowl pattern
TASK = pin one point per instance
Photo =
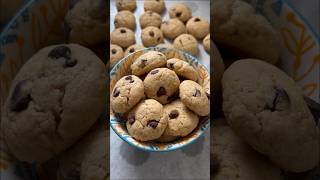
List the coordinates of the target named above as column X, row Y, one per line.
column 122, row 68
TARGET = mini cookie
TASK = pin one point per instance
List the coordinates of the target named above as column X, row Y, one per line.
column 151, row 36
column 194, row 97
column 147, row 121
column 181, row 121
column 165, row 45
column 206, row 43
column 149, row 18
column 123, row 37
column 125, row 19
column 116, row 53
column 161, row 84
column 180, row 11
column 127, row 92
column 182, row 68
column 133, row 48
column 154, row 5
column 172, row 28
column 129, row 5
column 186, row 42
column 148, row 61
column 275, row 114
column 198, row 27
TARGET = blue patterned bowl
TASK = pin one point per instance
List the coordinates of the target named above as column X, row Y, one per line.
column 118, row 125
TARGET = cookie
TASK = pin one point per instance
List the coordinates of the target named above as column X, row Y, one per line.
column 154, row 5
column 206, row 43
column 186, row 42
column 133, row 48
column 161, row 84
column 123, row 37
column 129, row 5
column 151, row 36
column 87, row 17
column 150, row 18
column 275, row 114
column 165, row 45
column 127, row 92
column 257, row 36
column 147, row 121
column 180, row 11
column 172, row 28
column 148, row 61
column 116, row 54
column 194, row 97
column 198, row 27
column 233, row 159
column 61, row 91
column 125, row 19
column 182, row 68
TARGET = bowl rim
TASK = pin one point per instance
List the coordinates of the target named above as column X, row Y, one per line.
column 205, row 125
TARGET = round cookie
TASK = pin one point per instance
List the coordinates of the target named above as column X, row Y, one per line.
column 123, row 37
column 125, row 19
column 172, row 28
column 148, row 61
column 206, row 43
column 147, row 121
column 151, row 36
column 186, row 42
column 133, row 48
column 198, row 27
column 180, row 11
column 182, row 68
column 161, row 84
column 127, row 92
column 61, row 91
column 129, row 5
column 165, row 45
column 116, row 53
column 194, row 97
column 181, row 121
column 154, row 5
column 275, row 114
column 149, row 18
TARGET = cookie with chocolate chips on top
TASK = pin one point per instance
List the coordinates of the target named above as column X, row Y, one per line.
column 154, row 5
column 150, row 18
column 123, row 37
column 116, row 53
column 198, row 27
column 133, row 48
column 186, row 42
column 148, row 61
column 180, row 11
column 129, row 5
column 151, row 36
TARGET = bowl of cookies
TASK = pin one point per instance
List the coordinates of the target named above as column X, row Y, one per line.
column 159, row 99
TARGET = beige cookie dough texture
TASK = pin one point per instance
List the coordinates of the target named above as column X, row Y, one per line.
column 151, row 36
column 182, row 68
column 133, row 48
column 154, row 5
column 198, row 27
column 129, row 5
column 116, row 53
column 288, row 135
column 241, row 29
column 123, row 37
column 148, row 61
column 65, row 102
column 150, row 18
column 125, row 19
column 172, row 28
column 180, row 11
column 188, row 43
column 206, row 43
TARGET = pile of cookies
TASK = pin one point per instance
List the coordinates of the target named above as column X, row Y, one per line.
column 182, row 29
column 164, row 105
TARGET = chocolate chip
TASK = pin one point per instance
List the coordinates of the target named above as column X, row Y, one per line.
column 129, row 78
column 158, row 39
column 171, row 65
column 150, row 13
column 152, row 123
column 154, row 71
column 162, row 91
column 70, row 62
column 196, row 20
column 59, row 52
column 208, row 95
column 178, row 14
column 157, row 0
column 173, row 114
column 131, row 119
column 280, row 100
column 197, row 93
column 143, row 63
column 123, row 31
column 151, row 33
column 113, row 51
column 21, row 96
column 116, row 92
column 131, row 50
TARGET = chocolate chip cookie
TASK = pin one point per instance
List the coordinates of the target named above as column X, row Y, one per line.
column 206, row 43
column 125, row 19
column 277, row 120
column 180, row 11
column 116, row 53
column 151, row 36
column 123, row 37
column 150, row 18
column 186, row 42
column 172, row 28
column 161, row 84
column 154, row 5
column 129, row 5
column 198, row 27
column 55, row 98
column 127, row 92
column 194, row 97
column 147, row 62
column 182, row 68
column 147, row 121
column 133, row 48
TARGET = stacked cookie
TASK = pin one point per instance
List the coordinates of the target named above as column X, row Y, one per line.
column 181, row 29
column 161, row 100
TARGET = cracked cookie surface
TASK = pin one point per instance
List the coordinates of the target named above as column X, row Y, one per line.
column 125, row 19
column 154, row 5
column 180, row 11
column 198, row 27
column 148, row 61
column 186, row 42
column 149, row 18
column 182, row 68
column 172, row 28
column 129, row 5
